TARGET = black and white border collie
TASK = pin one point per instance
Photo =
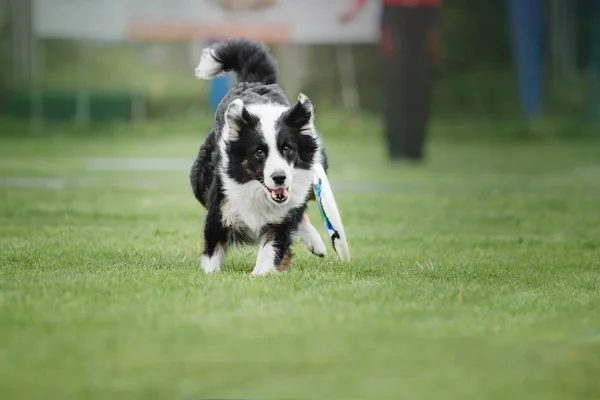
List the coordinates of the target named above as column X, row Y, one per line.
column 253, row 173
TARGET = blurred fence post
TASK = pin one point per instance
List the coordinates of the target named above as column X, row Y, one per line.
column 293, row 60
column 16, row 40
column 138, row 99
column 37, row 58
column 563, row 31
column 138, row 107
column 347, row 70
column 595, row 66
column 22, row 32
column 83, row 92
column 526, row 27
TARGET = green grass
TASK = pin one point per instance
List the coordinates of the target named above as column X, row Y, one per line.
column 475, row 276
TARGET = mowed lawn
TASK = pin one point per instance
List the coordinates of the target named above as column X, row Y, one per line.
column 474, row 276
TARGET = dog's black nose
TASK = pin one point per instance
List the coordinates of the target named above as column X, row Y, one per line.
column 278, row 177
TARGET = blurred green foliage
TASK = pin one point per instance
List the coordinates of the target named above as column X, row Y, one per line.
column 475, row 79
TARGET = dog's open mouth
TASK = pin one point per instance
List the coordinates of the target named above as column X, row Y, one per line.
column 279, row 195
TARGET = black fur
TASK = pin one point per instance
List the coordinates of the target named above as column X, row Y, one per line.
column 251, row 61
column 203, row 170
column 289, row 127
column 215, row 234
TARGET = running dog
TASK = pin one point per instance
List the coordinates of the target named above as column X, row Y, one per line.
column 253, row 173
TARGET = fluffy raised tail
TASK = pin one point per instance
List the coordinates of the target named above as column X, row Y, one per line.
column 251, row 61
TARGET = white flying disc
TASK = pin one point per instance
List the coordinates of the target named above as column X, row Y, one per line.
column 329, row 212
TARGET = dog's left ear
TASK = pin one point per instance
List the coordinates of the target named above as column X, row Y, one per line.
column 301, row 116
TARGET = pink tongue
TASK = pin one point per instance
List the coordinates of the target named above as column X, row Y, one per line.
column 279, row 194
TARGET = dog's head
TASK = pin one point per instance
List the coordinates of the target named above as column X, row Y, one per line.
column 271, row 145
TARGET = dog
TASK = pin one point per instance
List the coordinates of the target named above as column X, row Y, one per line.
column 253, row 173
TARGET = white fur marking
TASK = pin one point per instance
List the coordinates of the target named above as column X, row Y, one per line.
column 268, row 115
column 208, row 67
column 213, row 264
column 311, row 238
column 265, row 261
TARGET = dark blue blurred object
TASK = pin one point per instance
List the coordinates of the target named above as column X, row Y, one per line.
column 219, row 87
column 526, row 19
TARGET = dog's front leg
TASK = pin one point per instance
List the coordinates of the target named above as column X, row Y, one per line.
column 311, row 238
column 274, row 254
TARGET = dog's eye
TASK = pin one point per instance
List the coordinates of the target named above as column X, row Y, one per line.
column 259, row 153
column 287, row 149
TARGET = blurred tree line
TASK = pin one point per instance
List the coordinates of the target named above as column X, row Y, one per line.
column 476, row 75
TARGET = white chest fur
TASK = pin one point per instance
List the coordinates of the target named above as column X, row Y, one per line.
column 249, row 207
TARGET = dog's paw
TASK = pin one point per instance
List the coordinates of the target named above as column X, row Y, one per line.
column 212, row 264
column 313, row 241
column 262, row 270
column 317, row 247
column 265, row 260
column 208, row 265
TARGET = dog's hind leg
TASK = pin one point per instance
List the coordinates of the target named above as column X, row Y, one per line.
column 212, row 259
column 215, row 236
column 202, row 172
column 311, row 238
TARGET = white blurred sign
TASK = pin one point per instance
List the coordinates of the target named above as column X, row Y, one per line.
column 296, row 21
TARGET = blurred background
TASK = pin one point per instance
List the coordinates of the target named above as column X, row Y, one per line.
column 91, row 61
column 474, row 274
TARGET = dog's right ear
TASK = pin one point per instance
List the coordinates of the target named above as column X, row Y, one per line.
column 238, row 120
